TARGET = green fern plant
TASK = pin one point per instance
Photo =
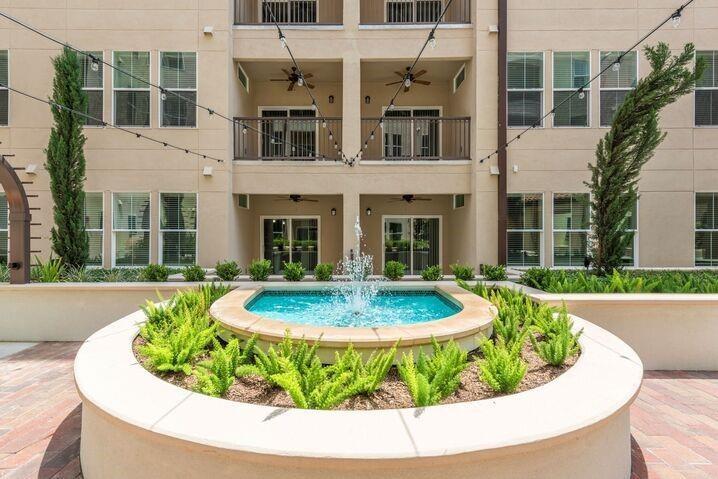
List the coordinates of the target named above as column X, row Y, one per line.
column 431, row 379
column 216, row 375
column 502, row 368
column 558, row 341
column 370, row 374
column 270, row 363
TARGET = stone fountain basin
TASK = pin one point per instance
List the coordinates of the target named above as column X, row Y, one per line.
column 464, row 327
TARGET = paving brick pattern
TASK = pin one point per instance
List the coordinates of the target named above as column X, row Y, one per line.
column 674, row 420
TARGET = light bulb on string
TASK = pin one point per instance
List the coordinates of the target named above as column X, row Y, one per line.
column 391, row 106
column 381, row 124
column 676, row 20
column 432, row 40
column 314, row 105
column 163, row 95
column 95, row 66
column 371, row 137
column 282, row 40
column 324, row 123
column 581, row 94
column 331, row 136
column 616, row 66
column 244, row 130
column 336, row 146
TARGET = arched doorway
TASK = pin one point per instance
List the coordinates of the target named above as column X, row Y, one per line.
column 19, row 222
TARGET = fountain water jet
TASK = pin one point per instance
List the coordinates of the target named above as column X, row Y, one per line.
column 357, row 292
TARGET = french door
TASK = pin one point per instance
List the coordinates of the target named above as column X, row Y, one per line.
column 290, row 239
column 412, row 133
column 288, row 133
column 414, row 241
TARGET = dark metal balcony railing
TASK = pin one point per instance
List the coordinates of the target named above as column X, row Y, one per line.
column 418, row 138
column 375, row 12
column 286, row 139
column 288, row 12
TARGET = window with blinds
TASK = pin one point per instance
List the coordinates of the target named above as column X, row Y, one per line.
column 178, row 228
column 131, row 229
column 571, row 227
column 525, row 89
column 620, row 78
column 571, row 71
column 93, row 86
column 94, row 222
column 4, row 93
column 131, row 93
column 524, row 229
column 707, row 91
column 706, row 229
column 178, row 75
column 4, row 230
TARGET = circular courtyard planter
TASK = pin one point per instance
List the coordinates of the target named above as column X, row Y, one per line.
column 137, row 425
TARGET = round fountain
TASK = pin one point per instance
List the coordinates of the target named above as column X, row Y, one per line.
column 367, row 313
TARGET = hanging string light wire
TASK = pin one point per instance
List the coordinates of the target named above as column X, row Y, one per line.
column 303, row 82
column 430, row 40
column 163, row 91
column 111, row 125
column 674, row 17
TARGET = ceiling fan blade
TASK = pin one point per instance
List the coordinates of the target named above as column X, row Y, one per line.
column 311, row 201
column 394, row 83
column 307, row 76
column 291, row 86
column 286, row 72
column 400, row 74
column 419, row 73
column 278, row 79
column 310, row 85
column 422, row 82
column 421, row 199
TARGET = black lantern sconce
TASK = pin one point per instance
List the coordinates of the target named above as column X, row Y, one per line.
column 333, row 211
column 331, row 98
column 368, row 211
column 367, row 99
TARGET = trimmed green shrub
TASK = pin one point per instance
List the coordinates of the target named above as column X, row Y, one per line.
column 494, row 273
column 431, row 379
column 294, row 271
column 259, row 269
column 324, row 272
column 50, row 272
column 502, row 368
column 394, row 270
column 193, row 273
column 155, row 273
column 228, row 270
column 432, row 273
column 462, row 272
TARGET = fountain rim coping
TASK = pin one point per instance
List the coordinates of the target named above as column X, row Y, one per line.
column 603, row 383
column 475, row 317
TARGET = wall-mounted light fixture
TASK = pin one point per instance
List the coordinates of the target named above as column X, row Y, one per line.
column 331, row 98
column 208, row 171
column 31, row 169
column 333, row 211
column 367, row 99
column 208, row 30
column 368, row 211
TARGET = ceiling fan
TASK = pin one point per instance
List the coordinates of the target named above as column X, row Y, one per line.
column 410, row 198
column 293, row 78
column 295, row 199
column 412, row 79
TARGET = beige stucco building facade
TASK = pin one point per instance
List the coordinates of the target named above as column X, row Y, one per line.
column 429, row 147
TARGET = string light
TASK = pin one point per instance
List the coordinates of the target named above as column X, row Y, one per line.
column 580, row 92
column 676, row 19
column 282, row 39
column 432, row 40
column 163, row 92
column 300, row 80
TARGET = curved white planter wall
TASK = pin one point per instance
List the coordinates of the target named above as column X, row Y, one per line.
column 136, row 425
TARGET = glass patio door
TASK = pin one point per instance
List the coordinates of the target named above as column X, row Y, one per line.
column 291, row 240
column 414, row 241
column 411, row 133
column 289, row 133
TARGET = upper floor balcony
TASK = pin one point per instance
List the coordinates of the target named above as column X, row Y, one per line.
column 330, row 12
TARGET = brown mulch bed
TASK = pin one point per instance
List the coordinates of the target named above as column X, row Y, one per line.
column 392, row 394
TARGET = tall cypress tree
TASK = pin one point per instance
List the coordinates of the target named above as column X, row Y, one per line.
column 66, row 161
column 630, row 143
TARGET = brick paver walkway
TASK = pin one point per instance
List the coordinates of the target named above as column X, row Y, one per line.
column 675, row 420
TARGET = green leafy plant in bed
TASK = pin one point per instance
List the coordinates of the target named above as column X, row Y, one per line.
column 4, row 274
column 228, row 270
column 155, row 273
column 494, row 272
column 193, row 273
column 47, row 272
column 558, row 342
column 432, row 273
column 216, row 375
column 300, row 354
column 502, row 367
column 394, row 270
column 432, row 378
column 294, row 271
column 324, row 271
column 259, row 269
column 462, row 272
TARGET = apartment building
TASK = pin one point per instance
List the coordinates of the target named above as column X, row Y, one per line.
column 419, row 189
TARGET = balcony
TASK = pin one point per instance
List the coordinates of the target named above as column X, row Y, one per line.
column 286, row 138
column 288, row 12
column 418, row 137
column 401, row 12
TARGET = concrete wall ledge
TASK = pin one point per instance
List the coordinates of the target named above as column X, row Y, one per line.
column 137, row 425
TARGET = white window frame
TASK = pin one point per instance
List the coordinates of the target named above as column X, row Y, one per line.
column 178, row 90
column 9, row 112
column 562, row 230
column 714, row 230
column 286, row 141
column 542, row 112
column 162, row 231
column 600, row 89
column 101, row 65
column 455, row 88
column 412, row 118
column 240, row 69
column 248, row 199
column 453, row 201
column 114, row 231
column 713, row 89
column 96, row 230
column 148, row 89
column 290, row 231
column 542, row 238
column 411, row 241
column 587, row 89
